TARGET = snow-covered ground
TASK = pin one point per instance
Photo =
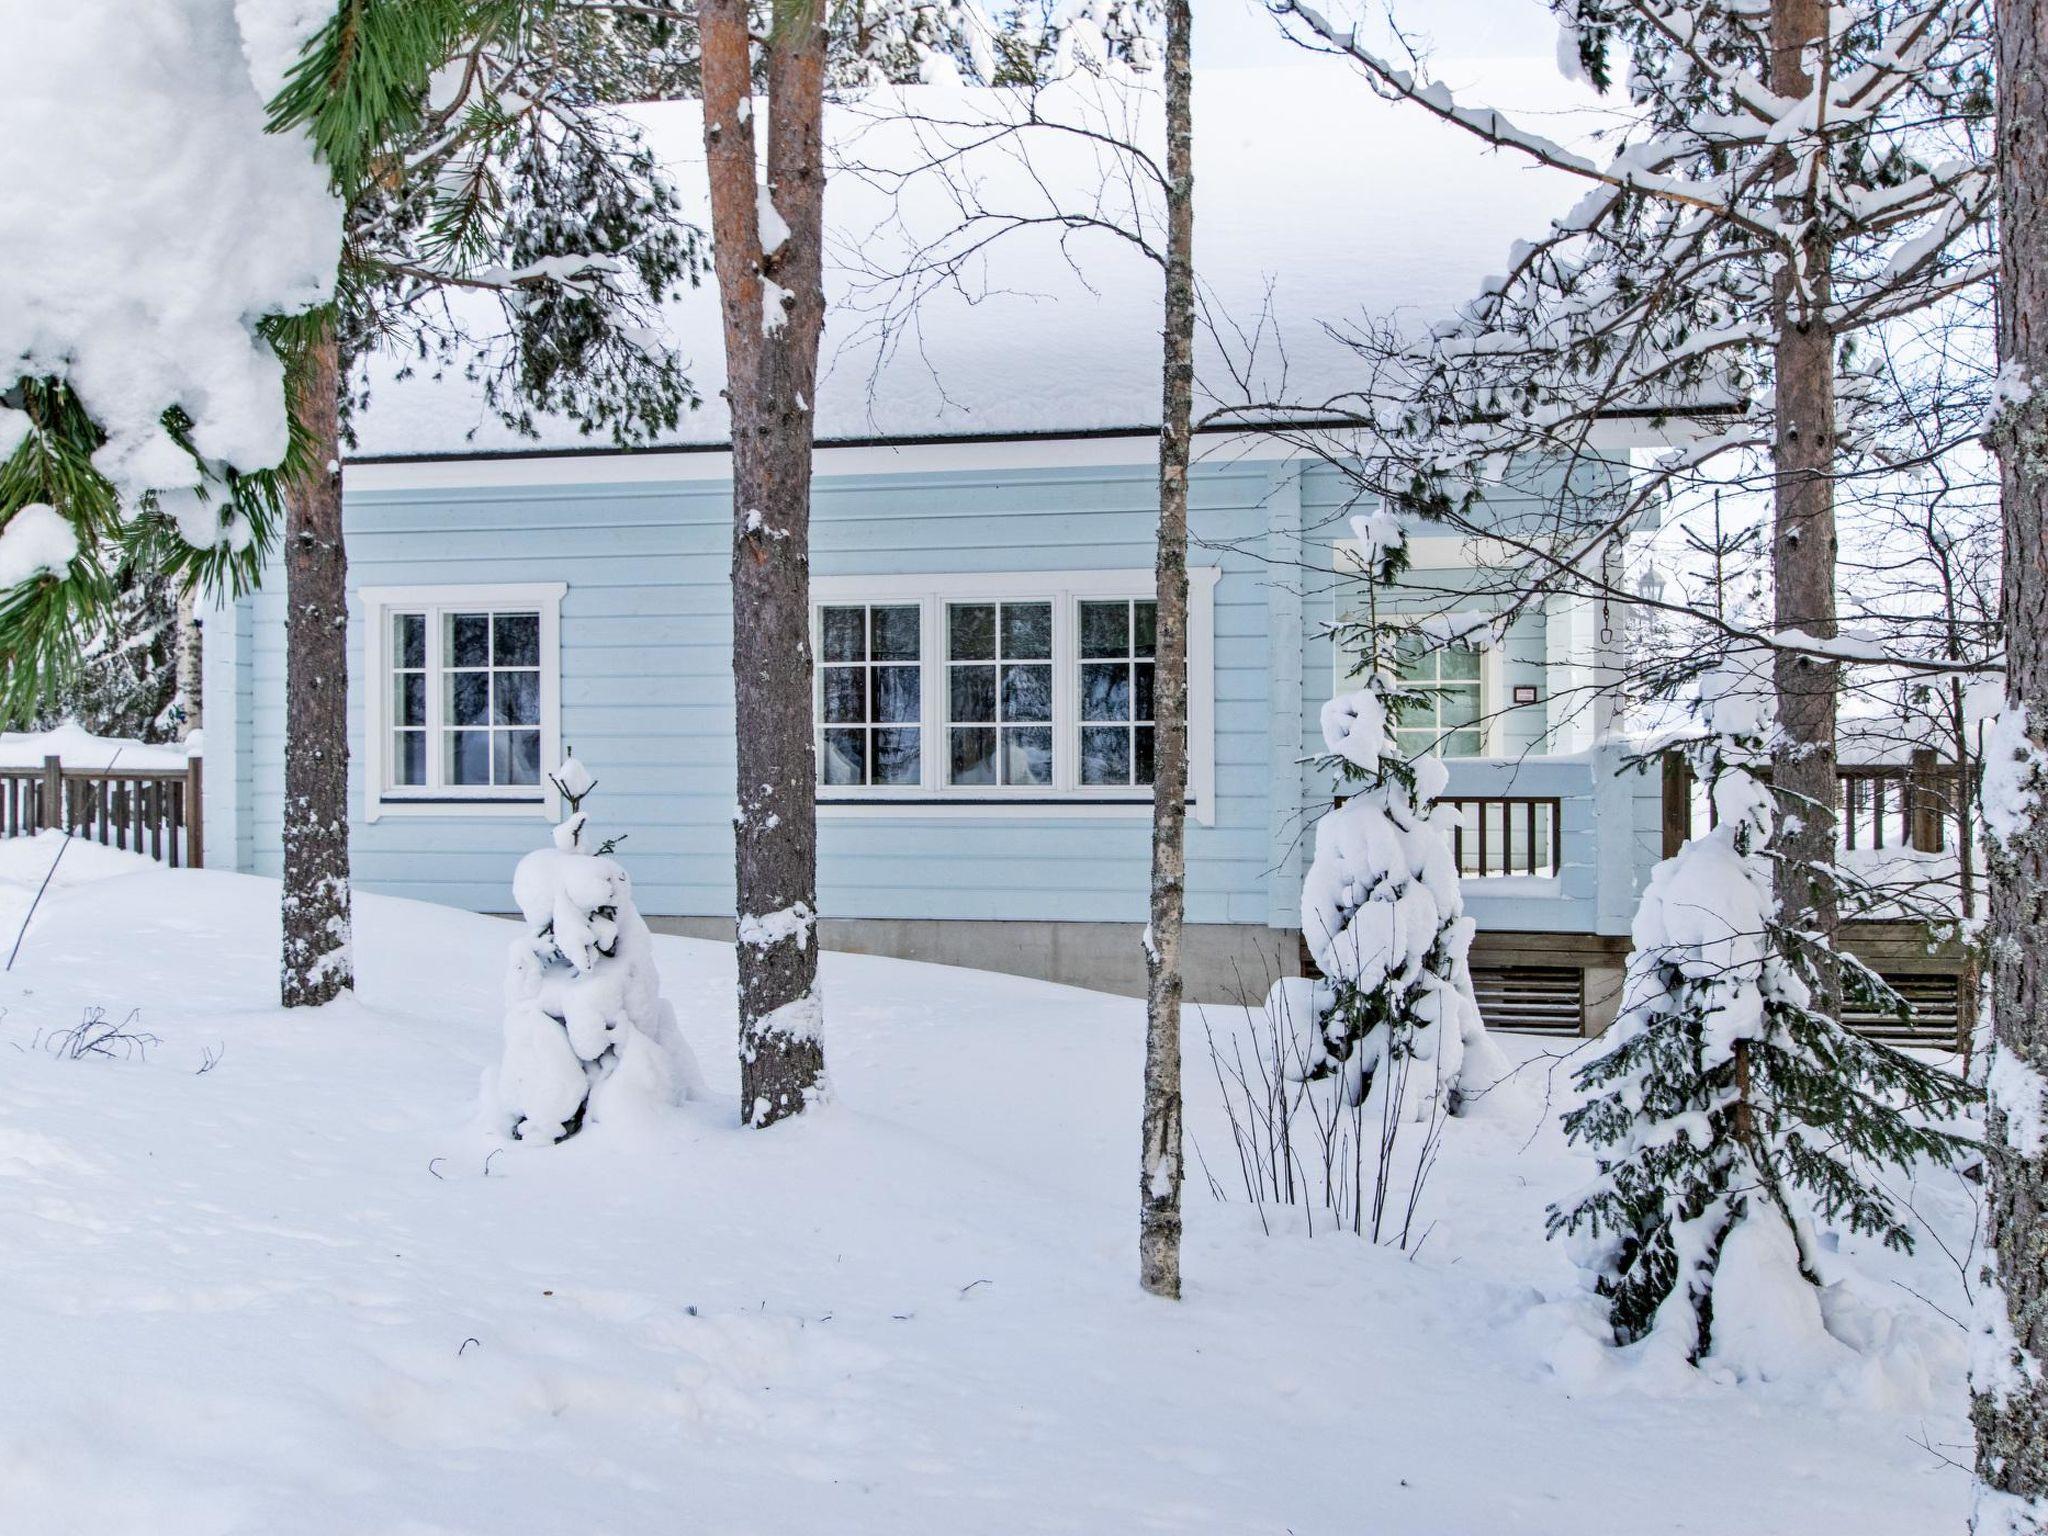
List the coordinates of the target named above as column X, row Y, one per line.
column 297, row 1293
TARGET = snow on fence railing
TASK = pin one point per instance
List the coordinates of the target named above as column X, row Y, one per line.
column 1883, row 805
column 152, row 811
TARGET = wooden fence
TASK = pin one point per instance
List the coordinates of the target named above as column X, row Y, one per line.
column 153, row 811
column 1883, row 805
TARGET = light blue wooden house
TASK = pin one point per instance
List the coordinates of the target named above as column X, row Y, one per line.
column 982, row 611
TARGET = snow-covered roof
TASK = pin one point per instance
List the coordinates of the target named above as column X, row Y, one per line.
column 1317, row 203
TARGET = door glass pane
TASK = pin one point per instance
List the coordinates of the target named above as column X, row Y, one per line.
column 1027, row 631
column 1027, row 755
column 973, row 753
column 1105, row 755
column 1413, row 661
column 971, row 631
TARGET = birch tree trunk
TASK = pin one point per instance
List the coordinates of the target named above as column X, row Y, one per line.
column 317, row 962
column 1803, row 541
column 191, row 671
column 1159, row 1175
column 773, row 305
column 2009, row 1392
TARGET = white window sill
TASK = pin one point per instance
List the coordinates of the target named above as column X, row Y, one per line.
column 461, row 806
column 1002, row 808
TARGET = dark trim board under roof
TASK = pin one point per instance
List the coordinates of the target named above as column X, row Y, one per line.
column 945, row 439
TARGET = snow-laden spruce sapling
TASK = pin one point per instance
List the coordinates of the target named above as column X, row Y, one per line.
column 1382, row 909
column 588, row 1036
column 1726, row 1110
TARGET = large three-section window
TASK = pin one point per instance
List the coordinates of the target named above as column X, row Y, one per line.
column 998, row 690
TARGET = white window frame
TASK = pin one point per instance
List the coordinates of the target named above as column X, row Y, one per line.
column 1065, row 796
column 1492, row 686
column 1438, row 553
column 382, row 797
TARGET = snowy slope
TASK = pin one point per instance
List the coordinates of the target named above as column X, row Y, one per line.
column 295, row 1294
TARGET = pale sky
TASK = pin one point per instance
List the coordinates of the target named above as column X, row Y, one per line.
column 1241, row 32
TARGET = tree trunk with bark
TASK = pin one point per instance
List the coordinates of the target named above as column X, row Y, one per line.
column 1159, row 1174
column 317, row 962
column 2009, row 1390
column 773, row 305
column 1803, row 543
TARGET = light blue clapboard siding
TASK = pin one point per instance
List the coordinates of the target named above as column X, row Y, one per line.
column 1608, row 829
column 646, row 687
column 647, row 696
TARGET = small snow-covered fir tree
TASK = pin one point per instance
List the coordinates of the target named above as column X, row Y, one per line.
column 1382, row 909
column 588, row 1035
column 1724, row 1106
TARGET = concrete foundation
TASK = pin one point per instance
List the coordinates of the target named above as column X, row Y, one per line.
column 1221, row 962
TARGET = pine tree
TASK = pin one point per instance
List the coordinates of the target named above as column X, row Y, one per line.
column 161, row 454
column 1723, row 1095
column 505, row 221
column 769, row 240
column 588, row 1035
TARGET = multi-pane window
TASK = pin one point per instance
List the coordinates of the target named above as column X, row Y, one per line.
column 490, row 699
column 1012, row 690
column 871, row 694
column 1448, row 718
column 999, row 693
column 1116, row 642
column 466, row 684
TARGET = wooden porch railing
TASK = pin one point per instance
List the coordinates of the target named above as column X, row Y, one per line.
column 1883, row 805
column 1498, row 835
column 154, row 811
